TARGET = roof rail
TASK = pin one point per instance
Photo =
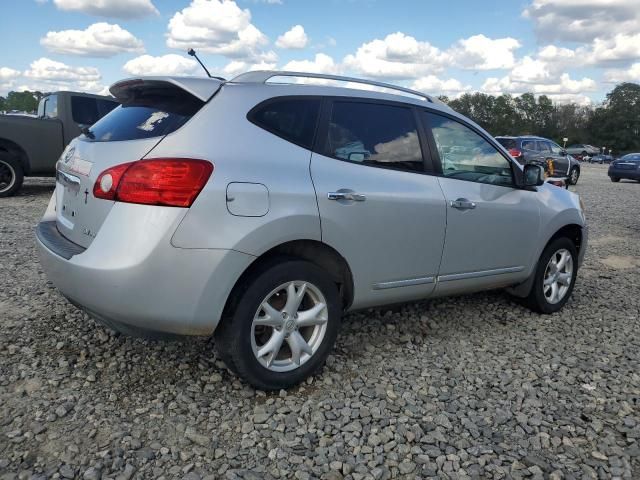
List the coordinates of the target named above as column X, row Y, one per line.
column 261, row 76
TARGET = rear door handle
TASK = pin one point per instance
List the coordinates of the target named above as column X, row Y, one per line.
column 462, row 204
column 355, row 197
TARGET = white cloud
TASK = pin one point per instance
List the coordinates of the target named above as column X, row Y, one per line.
column 98, row 40
column 483, row 53
column 632, row 74
column 619, row 48
column 220, row 27
column 295, row 38
column 7, row 78
column 124, row 9
column 397, row 56
column 47, row 75
column 583, row 20
column 436, row 86
column 170, row 64
column 8, row 73
column 322, row 63
column 561, row 85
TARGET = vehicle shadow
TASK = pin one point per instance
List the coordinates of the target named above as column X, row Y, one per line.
column 35, row 187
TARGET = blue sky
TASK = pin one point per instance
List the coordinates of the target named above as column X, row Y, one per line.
column 571, row 50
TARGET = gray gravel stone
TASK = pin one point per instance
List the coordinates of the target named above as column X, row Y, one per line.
column 467, row 387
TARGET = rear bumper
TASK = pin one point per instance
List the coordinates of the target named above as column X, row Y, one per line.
column 139, row 282
column 627, row 174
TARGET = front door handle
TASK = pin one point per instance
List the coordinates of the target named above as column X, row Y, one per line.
column 355, row 197
column 462, row 204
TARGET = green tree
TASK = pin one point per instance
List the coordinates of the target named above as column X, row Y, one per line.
column 3, row 102
column 24, row 101
column 616, row 124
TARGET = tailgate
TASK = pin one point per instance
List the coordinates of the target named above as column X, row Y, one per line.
column 150, row 110
column 79, row 214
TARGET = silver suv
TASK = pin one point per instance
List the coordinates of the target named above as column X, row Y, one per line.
column 260, row 209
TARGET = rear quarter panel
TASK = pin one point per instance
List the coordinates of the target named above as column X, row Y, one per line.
column 243, row 152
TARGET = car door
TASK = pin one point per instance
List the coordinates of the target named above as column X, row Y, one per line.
column 379, row 207
column 492, row 226
column 560, row 160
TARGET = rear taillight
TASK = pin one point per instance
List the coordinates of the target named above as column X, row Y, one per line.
column 174, row 182
column 515, row 153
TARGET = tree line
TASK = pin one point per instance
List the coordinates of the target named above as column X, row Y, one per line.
column 22, row 101
column 613, row 124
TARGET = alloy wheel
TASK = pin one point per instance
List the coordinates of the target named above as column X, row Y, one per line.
column 558, row 276
column 289, row 326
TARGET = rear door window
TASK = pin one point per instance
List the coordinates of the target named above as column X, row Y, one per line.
column 374, row 134
column 292, row 118
column 528, row 145
column 544, row 147
column 147, row 113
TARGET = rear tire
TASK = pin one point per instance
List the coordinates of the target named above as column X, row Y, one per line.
column 282, row 325
column 555, row 277
column 615, row 179
column 574, row 175
column 11, row 175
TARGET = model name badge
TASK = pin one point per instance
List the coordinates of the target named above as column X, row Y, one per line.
column 88, row 233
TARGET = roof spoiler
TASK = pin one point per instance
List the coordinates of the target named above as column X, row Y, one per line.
column 202, row 88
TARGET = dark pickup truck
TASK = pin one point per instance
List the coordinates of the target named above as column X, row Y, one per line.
column 31, row 146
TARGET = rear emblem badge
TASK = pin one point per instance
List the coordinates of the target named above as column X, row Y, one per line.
column 69, row 155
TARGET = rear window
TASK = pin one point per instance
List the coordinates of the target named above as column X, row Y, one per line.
column 507, row 142
column 88, row 110
column 292, row 118
column 146, row 113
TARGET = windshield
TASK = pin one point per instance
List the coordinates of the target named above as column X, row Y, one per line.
column 631, row 157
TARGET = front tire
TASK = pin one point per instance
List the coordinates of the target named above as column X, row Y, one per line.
column 11, row 175
column 555, row 277
column 615, row 179
column 574, row 175
column 282, row 326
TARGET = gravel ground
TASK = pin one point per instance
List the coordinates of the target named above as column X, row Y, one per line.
column 467, row 387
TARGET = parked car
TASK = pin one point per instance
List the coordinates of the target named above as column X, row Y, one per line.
column 260, row 212
column 601, row 158
column 30, row 146
column 582, row 150
column 627, row 167
column 542, row 151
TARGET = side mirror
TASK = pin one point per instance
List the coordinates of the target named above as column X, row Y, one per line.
column 563, row 152
column 533, row 175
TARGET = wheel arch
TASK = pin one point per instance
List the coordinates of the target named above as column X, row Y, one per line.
column 11, row 148
column 573, row 232
column 316, row 252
